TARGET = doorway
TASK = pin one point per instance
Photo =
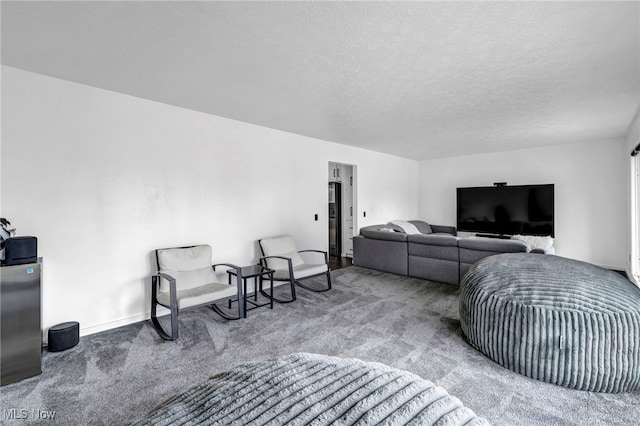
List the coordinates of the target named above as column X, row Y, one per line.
column 342, row 213
column 634, row 256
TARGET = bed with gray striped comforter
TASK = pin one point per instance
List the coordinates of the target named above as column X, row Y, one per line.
column 311, row 389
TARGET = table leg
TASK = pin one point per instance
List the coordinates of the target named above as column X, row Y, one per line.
column 271, row 289
column 244, row 286
column 255, row 288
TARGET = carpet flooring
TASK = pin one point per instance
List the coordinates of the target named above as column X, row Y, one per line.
column 113, row 377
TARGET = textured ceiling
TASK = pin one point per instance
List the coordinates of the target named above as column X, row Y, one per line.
column 419, row 80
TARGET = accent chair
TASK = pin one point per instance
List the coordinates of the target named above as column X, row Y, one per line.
column 186, row 279
column 280, row 254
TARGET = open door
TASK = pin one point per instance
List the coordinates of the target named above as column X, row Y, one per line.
column 342, row 209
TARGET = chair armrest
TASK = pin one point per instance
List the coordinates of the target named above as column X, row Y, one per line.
column 230, row 265
column 166, row 277
column 173, row 295
column 263, row 262
column 326, row 257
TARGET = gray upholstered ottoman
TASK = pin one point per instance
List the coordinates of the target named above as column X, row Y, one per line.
column 554, row 319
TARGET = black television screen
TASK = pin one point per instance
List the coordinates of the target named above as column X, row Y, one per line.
column 506, row 210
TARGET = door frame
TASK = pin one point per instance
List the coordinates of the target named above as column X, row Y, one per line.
column 354, row 196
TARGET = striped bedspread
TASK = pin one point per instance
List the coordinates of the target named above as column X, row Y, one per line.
column 311, row 389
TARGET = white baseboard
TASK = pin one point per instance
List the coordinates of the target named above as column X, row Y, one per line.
column 101, row 327
column 86, row 331
column 113, row 324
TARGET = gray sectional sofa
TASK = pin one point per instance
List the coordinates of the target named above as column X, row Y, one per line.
column 435, row 254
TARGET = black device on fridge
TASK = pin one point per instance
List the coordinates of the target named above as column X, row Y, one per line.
column 335, row 219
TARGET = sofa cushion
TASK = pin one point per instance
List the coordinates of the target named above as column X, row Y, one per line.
column 443, row 229
column 494, row 245
column 434, row 269
column 428, row 251
column 434, row 240
column 378, row 232
column 388, row 256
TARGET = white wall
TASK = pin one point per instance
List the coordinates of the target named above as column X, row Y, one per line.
column 103, row 178
column 590, row 192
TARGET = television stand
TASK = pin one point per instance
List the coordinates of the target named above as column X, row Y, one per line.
column 501, row 236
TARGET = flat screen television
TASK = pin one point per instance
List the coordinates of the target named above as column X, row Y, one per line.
column 506, row 210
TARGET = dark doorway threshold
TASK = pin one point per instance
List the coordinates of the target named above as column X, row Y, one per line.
column 339, row 262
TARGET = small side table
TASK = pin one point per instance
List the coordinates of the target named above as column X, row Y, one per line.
column 257, row 272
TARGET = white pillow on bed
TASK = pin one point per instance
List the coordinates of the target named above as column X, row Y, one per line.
column 407, row 227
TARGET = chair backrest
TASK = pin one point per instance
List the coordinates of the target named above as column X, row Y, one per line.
column 280, row 246
column 190, row 266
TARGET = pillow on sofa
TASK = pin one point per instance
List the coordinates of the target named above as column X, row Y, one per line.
column 536, row 242
column 408, row 228
column 422, row 226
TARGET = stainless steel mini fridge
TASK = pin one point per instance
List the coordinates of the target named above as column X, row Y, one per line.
column 20, row 322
